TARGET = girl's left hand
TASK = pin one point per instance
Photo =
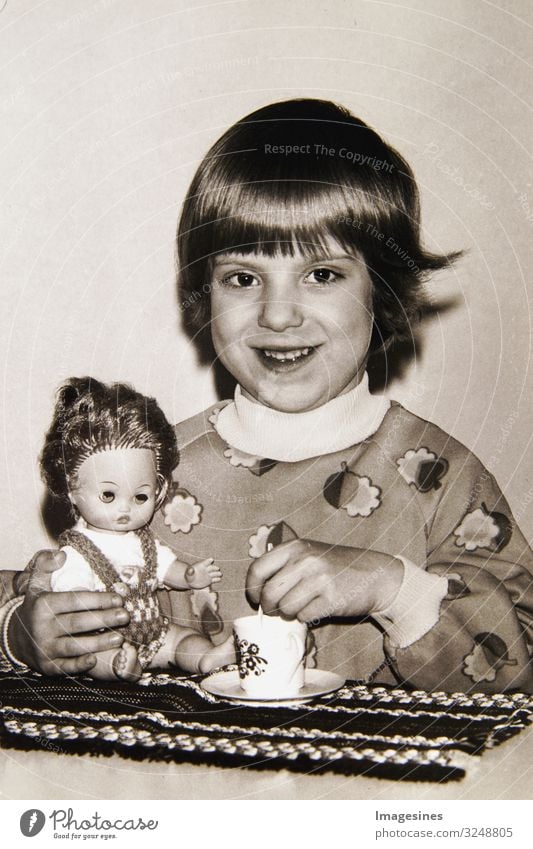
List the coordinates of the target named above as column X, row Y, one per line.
column 309, row 580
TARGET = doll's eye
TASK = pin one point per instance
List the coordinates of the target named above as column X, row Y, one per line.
column 322, row 276
column 141, row 498
column 240, row 280
column 107, row 496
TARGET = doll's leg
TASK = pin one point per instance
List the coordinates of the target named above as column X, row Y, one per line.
column 192, row 652
column 126, row 664
column 166, row 657
column 216, row 656
column 120, row 663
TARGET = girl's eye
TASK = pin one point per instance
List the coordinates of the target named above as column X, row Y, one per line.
column 107, row 497
column 240, row 280
column 322, row 276
column 141, row 498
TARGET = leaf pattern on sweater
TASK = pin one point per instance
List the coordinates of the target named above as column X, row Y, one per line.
column 257, row 543
column 487, row 657
column 252, row 462
column 481, row 528
column 422, row 468
column 351, row 492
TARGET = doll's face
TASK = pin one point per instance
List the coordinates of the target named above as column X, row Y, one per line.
column 116, row 490
column 293, row 331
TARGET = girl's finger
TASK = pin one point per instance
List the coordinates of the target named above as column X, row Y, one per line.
column 277, row 587
column 267, row 565
column 75, row 665
column 72, row 602
column 81, row 623
column 73, row 647
column 40, row 569
column 47, row 561
column 314, row 611
column 297, row 599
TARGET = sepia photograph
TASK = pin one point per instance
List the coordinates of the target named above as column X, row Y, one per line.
column 266, row 418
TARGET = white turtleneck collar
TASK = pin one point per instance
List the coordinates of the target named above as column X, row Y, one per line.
column 288, row 437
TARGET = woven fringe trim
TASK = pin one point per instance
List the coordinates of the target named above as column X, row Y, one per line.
column 228, row 739
column 257, row 753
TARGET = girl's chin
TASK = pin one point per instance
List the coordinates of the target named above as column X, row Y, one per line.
column 287, row 399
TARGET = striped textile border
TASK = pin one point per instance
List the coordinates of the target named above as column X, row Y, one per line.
column 378, row 731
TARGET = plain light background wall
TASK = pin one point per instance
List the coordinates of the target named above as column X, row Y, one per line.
column 106, row 109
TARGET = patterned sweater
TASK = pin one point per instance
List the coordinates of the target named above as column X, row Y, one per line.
column 409, row 490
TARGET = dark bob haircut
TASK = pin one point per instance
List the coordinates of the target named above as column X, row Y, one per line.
column 89, row 417
column 287, row 178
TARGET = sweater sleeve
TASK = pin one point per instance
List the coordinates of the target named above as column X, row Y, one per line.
column 7, row 588
column 483, row 637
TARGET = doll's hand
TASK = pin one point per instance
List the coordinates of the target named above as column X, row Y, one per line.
column 121, row 589
column 202, row 574
column 49, row 631
column 309, row 580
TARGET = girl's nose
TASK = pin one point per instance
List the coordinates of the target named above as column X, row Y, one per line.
column 279, row 312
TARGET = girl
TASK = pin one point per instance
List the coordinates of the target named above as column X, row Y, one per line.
column 109, row 456
column 300, row 258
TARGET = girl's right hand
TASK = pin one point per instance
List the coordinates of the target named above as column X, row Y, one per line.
column 53, row 632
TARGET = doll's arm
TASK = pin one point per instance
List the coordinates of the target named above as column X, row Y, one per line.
column 75, row 574
column 176, row 575
column 482, row 635
column 181, row 576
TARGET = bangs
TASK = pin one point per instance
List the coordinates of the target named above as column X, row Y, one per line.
column 293, row 216
column 283, row 186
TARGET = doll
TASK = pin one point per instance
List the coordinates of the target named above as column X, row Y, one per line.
column 108, row 456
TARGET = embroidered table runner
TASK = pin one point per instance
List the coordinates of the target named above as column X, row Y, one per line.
column 379, row 731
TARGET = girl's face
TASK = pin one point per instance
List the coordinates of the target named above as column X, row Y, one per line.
column 116, row 490
column 293, row 331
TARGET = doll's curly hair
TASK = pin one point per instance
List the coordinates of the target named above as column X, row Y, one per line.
column 91, row 416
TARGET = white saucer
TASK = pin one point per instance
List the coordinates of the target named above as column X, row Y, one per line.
column 226, row 684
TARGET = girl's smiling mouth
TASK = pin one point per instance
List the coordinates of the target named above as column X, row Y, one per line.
column 285, row 359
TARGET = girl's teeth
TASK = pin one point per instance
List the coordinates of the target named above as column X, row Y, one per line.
column 284, row 356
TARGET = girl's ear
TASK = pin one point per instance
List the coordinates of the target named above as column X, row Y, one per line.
column 163, row 489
